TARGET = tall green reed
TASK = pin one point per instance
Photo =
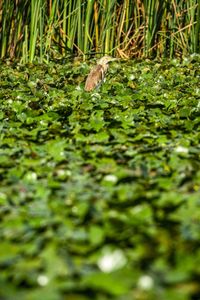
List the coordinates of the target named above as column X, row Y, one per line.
column 44, row 29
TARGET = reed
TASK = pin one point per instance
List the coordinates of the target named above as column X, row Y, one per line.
column 34, row 28
column 43, row 29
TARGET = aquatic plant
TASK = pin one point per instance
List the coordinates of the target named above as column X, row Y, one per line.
column 99, row 195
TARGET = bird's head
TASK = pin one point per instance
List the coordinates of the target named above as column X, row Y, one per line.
column 105, row 60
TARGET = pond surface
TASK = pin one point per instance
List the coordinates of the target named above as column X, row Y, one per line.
column 100, row 192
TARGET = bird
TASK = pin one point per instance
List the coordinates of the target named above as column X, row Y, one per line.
column 97, row 73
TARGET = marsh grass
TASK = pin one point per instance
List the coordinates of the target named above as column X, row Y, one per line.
column 44, row 29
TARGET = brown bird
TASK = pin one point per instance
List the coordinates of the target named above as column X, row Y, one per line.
column 97, row 73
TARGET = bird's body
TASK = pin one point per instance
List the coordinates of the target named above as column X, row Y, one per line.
column 97, row 73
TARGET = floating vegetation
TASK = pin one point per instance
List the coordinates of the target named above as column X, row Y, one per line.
column 100, row 191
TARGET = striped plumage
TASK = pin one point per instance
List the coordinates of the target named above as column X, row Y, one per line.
column 97, row 73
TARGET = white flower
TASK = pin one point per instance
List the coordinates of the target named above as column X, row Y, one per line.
column 110, row 178
column 42, row 280
column 131, row 77
column 145, row 282
column 111, row 261
column 181, row 149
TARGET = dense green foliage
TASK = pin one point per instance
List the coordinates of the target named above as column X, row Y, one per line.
column 39, row 29
column 100, row 191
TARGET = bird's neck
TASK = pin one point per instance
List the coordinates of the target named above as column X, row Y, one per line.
column 104, row 67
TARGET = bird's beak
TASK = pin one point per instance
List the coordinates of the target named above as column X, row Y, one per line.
column 113, row 59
